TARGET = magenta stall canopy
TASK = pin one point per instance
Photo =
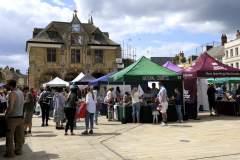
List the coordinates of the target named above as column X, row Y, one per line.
column 204, row 67
column 171, row 66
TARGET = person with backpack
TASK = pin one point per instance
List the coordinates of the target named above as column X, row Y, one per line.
column 45, row 99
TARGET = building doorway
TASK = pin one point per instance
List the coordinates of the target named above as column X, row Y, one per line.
column 97, row 75
column 70, row 76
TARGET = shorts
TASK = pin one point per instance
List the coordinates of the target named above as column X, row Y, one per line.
column 164, row 107
column 219, row 98
column 28, row 117
column 212, row 104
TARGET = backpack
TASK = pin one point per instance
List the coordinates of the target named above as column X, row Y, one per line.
column 47, row 97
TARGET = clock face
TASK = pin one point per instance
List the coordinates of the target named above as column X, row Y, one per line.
column 76, row 27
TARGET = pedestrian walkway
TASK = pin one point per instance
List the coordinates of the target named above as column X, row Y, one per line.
column 209, row 138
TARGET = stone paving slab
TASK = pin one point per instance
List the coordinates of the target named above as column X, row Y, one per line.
column 210, row 138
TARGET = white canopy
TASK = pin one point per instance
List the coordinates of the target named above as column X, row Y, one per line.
column 78, row 77
column 56, row 82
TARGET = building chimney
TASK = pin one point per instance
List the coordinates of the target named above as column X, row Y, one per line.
column 223, row 39
column 18, row 71
column 208, row 47
column 238, row 34
column 12, row 69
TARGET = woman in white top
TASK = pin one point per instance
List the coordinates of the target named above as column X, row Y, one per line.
column 136, row 104
column 91, row 100
column 118, row 95
column 3, row 103
column 110, row 103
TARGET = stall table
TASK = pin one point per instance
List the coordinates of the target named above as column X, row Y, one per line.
column 3, row 126
column 146, row 114
column 103, row 110
column 227, row 108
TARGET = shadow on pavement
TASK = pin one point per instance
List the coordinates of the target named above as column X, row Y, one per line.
column 102, row 134
column 45, row 135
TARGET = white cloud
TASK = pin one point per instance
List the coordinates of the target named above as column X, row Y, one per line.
column 58, row 2
column 17, row 61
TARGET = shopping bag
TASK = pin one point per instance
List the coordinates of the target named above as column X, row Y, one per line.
column 83, row 111
column 77, row 114
column 159, row 108
column 100, row 105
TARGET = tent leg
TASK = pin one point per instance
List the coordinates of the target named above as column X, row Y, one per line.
column 183, row 99
column 197, row 99
column 123, row 118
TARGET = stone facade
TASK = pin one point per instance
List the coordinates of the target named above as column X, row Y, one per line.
column 7, row 74
column 97, row 53
column 179, row 59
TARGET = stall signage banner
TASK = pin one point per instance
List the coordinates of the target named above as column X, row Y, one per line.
column 155, row 78
column 190, row 90
column 218, row 74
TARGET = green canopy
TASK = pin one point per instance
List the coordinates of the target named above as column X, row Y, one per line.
column 145, row 70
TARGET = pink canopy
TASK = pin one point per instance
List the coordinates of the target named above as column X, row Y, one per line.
column 206, row 66
column 171, row 66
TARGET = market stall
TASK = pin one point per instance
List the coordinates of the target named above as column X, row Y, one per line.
column 84, row 80
column 144, row 70
column 171, row 66
column 205, row 67
column 56, row 82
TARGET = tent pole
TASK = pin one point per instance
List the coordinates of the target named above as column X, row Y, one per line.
column 197, row 98
column 123, row 100
column 183, row 98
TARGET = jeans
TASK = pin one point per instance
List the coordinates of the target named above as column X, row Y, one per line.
column 87, row 117
column 179, row 112
column 97, row 110
column 75, row 122
column 136, row 109
column 70, row 115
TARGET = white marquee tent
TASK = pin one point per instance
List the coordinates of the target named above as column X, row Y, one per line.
column 56, row 82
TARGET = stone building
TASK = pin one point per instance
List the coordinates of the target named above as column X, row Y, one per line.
column 179, row 59
column 160, row 60
column 7, row 74
column 64, row 49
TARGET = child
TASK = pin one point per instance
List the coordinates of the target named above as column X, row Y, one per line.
column 155, row 112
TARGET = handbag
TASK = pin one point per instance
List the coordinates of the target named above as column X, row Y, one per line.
column 100, row 105
column 159, row 108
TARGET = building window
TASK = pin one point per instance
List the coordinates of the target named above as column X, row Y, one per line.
column 75, row 55
column 231, row 65
column 231, row 52
column 52, row 34
column 226, row 54
column 237, row 66
column 236, row 49
column 98, row 56
column 51, row 55
column 97, row 36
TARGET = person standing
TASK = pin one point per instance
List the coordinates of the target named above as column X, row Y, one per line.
column 45, row 99
column 163, row 101
column 211, row 99
column 110, row 101
column 136, row 104
column 104, row 92
column 28, row 107
column 3, row 103
column 70, row 110
column 220, row 93
column 154, row 90
column 14, row 120
column 238, row 99
column 91, row 100
column 96, row 92
column 178, row 105
column 58, row 103
column 224, row 88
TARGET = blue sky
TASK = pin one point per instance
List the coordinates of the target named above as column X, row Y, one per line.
column 164, row 27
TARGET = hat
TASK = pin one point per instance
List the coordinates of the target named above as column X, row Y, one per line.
column 25, row 88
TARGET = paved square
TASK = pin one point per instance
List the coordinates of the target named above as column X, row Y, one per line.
column 210, row 138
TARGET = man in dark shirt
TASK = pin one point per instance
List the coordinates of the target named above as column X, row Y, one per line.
column 178, row 104
column 211, row 99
